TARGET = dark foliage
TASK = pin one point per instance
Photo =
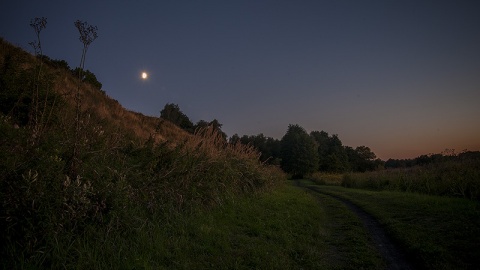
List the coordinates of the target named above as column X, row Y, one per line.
column 422, row 160
column 298, row 152
column 333, row 155
column 54, row 63
column 171, row 112
column 362, row 159
column 214, row 126
column 88, row 77
column 267, row 146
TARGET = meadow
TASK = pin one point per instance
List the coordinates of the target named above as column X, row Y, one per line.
column 436, row 232
column 282, row 229
column 453, row 178
column 431, row 211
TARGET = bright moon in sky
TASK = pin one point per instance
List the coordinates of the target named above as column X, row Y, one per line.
column 144, row 75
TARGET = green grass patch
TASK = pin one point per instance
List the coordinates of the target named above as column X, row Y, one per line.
column 287, row 228
column 437, row 232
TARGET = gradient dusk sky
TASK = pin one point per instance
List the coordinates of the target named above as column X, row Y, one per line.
column 401, row 77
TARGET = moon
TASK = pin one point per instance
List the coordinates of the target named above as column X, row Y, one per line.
column 144, row 75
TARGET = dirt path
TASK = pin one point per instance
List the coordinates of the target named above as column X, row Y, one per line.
column 392, row 255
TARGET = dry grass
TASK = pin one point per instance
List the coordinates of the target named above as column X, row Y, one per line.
column 95, row 101
column 323, row 178
column 206, row 170
column 109, row 110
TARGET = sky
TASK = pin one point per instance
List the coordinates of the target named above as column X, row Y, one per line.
column 401, row 77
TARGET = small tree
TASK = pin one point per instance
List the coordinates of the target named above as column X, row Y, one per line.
column 362, row 159
column 299, row 152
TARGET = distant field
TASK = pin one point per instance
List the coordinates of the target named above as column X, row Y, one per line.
column 437, row 232
column 460, row 178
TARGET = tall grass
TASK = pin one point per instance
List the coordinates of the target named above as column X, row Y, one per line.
column 455, row 178
column 120, row 187
column 324, row 178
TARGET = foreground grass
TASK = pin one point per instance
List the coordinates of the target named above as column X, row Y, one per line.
column 437, row 232
column 284, row 229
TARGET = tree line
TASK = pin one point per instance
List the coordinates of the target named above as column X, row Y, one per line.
column 422, row 160
column 298, row 152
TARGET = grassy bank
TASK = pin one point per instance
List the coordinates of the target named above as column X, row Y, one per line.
column 69, row 183
column 48, row 218
column 437, row 232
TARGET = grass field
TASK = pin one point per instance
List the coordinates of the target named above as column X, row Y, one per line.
column 437, row 232
column 454, row 178
column 285, row 229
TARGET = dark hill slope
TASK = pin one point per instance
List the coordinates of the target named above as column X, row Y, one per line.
column 18, row 70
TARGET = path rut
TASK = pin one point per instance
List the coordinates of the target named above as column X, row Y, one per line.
column 392, row 255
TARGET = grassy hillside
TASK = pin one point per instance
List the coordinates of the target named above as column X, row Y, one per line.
column 19, row 68
column 114, row 171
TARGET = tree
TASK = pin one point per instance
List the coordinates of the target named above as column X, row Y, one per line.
column 216, row 125
column 59, row 64
column 267, row 146
column 362, row 159
column 87, row 76
column 201, row 124
column 171, row 112
column 272, row 151
column 213, row 126
column 332, row 154
column 299, row 152
column 234, row 139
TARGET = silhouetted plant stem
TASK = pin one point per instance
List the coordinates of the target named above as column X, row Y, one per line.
column 88, row 34
column 38, row 24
